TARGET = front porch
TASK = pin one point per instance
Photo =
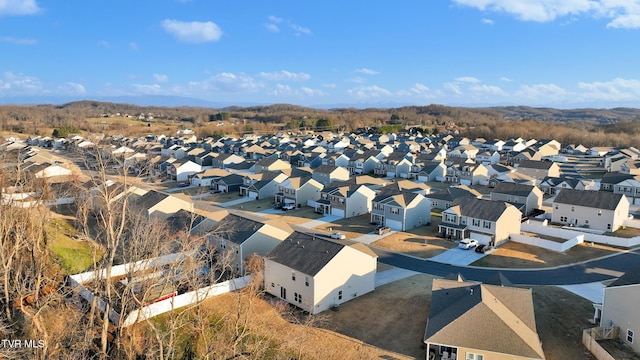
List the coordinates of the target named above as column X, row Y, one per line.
column 439, row 352
column 323, row 207
column 453, row 231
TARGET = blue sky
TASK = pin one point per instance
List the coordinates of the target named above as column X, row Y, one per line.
column 560, row 53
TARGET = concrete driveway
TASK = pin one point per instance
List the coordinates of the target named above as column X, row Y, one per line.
column 457, row 256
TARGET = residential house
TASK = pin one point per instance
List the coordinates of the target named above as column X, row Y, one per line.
column 228, row 184
column 551, row 185
column 270, row 164
column 235, row 238
column 316, row 274
column 489, row 222
column 401, row 210
column 161, row 205
column 181, row 170
column 299, row 190
column 345, row 199
column 406, row 185
column 444, row 198
column 467, row 173
column 538, row 169
column 525, row 197
column 488, row 157
column 397, row 164
column 311, row 160
column 223, row 161
column 428, row 171
column 263, row 185
column 591, row 209
column 364, row 163
column 619, row 308
column 326, row 174
column 474, row 321
column 208, row 177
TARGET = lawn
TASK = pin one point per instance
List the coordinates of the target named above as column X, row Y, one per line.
column 423, row 241
column 296, row 216
column 352, row 227
column 74, row 255
column 254, row 206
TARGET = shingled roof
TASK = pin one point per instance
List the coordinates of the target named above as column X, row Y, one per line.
column 305, row 253
column 479, row 208
column 462, row 312
column 513, row 189
column 593, row 199
column 236, row 229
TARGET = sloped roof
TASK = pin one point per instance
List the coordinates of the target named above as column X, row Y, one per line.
column 479, row 208
column 593, row 199
column 513, row 189
column 305, row 253
column 533, row 164
column 150, row 199
column 235, row 228
column 453, row 192
column 462, row 312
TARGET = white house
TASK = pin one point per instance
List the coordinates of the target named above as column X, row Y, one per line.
column 180, row 170
column 316, row 274
column 600, row 210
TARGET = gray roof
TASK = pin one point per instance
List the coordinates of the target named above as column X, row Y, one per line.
column 513, row 189
column 236, row 229
column 305, row 253
column 593, row 199
column 454, row 192
column 150, row 199
column 480, row 208
column 461, row 314
column 534, row 164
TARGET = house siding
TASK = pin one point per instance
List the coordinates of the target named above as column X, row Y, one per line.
column 620, row 309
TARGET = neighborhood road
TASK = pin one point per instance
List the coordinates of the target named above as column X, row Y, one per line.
column 587, row 272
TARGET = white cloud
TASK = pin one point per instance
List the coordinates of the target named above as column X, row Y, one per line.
column 18, row 41
column 226, row 82
column 71, row 88
column 281, row 90
column 487, row 21
column 300, row 30
column 153, row 89
column 547, row 92
column 133, row 46
column 272, row 27
column 467, row 79
column 284, row 75
column 329, row 85
column 504, row 78
column 357, row 80
column 20, row 84
column 487, row 89
column 275, row 19
column 615, row 90
column 103, row 43
column 366, row 92
column 19, row 7
column 367, row 71
column 313, row 92
column 621, row 13
column 194, row 31
column 160, row 77
column 451, row 87
column 419, row 89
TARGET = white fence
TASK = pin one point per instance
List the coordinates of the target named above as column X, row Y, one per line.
column 185, row 299
column 78, row 281
column 540, row 228
column 548, row 244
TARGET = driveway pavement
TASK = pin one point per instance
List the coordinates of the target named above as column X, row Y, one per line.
column 242, row 200
column 457, row 256
column 317, row 222
column 393, row 274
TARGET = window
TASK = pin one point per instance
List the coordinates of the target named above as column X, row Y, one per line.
column 395, row 210
column 556, row 206
column 563, row 219
column 487, row 225
column 476, row 222
column 573, row 209
column 283, row 293
column 340, row 295
column 223, row 244
column 630, row 336
column 293, row 276
column 273, row 285
column 306, row 281
column 609, row 227
column 472, row 356
column 599, row 212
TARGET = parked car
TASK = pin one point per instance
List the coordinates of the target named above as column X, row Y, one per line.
column 338, row 235
column 277, row 205
column 215, row 191
column 289, row 206
column 467, row 244
column 183, row 185
column 382, row 230
column 481, row 248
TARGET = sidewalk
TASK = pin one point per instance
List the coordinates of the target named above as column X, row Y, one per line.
column 236, row 202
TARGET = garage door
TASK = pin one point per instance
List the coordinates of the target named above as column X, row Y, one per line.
column 253, row 194
column 482, row 238
column 465, row 182
column 222, row 188
column 337, row 212
column 394, row 224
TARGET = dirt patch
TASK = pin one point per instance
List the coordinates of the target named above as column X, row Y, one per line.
column 296, row 216
column 517, row 255
column 394, row 317
column 352, row 227
column 423, row 241
column 629, row 232
column 254, row 206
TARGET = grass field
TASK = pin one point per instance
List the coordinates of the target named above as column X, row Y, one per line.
column 74, row 255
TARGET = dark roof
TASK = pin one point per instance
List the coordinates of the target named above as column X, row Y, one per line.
column 305, row 253
column 235, row 228
column 593, row 199
column 184, row 220
column 631, row 277
column 614, row 178
column 150, row 199
column 513, row 189
column 533, row 164
column 480, row 208
column 498, row 279
column 454, row 192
